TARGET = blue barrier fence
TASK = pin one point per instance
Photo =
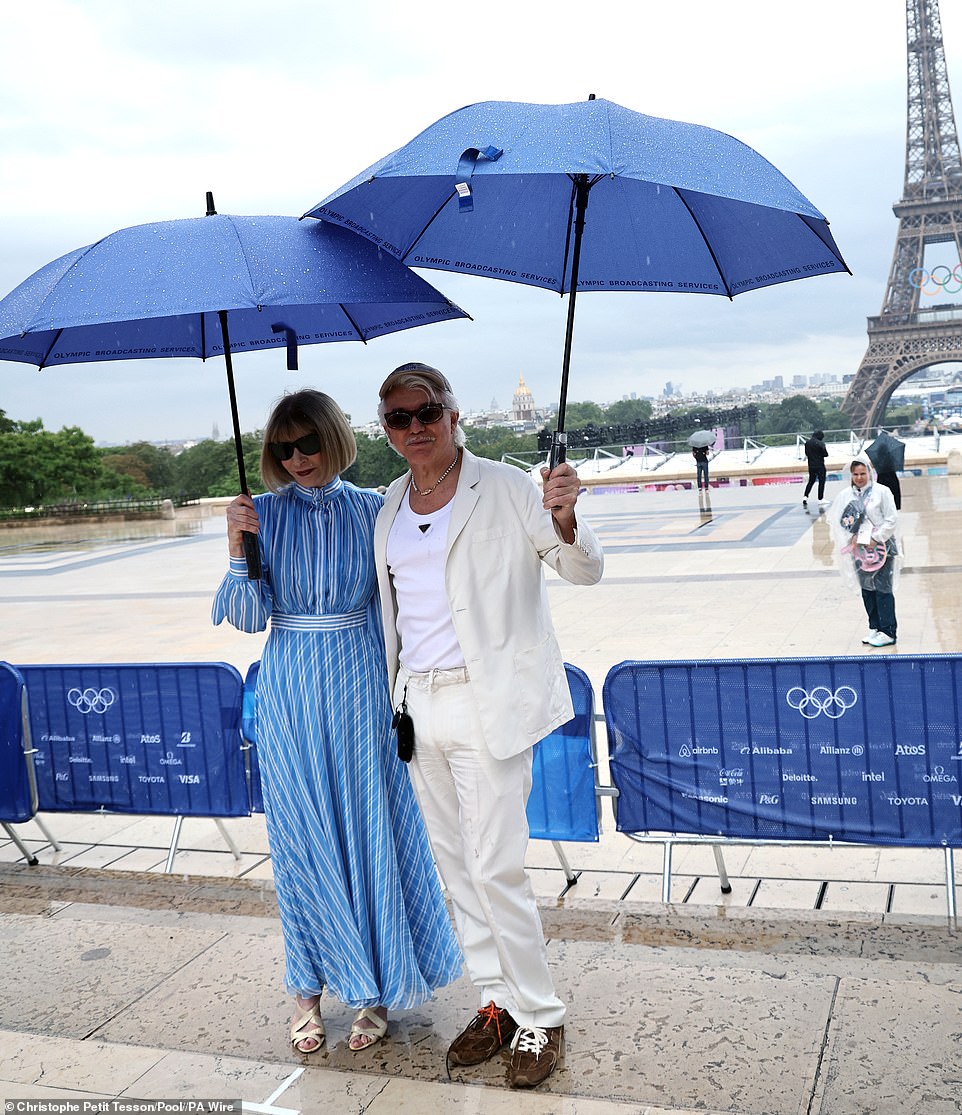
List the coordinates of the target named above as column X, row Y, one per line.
column 18, row 795
column 867, row 750
column 146, row 739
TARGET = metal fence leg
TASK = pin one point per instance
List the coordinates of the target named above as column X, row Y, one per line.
column 51, row 839
column 950, row 881
column 229, row 840
column 570, row 877
column 174, row 841
column 666, row 874
column 32, row 860
column 726, row 887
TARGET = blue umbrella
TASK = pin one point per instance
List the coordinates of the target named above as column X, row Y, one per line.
column 213, row 286
column 586, row 196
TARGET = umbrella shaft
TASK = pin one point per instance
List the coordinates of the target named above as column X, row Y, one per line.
column 251, row 548
column 581, row 204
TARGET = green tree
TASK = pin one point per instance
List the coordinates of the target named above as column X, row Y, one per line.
column 794, row 415
column 628, row 410
column 583, row 414
column 209, row 468
column 494, row 441
column 377, row 464
column 147, row 465
column 38, row 466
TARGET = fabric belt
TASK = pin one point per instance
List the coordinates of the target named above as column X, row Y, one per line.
column 334, row 621
column 434, row 679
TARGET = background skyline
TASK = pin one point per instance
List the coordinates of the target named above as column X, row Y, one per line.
column 117, row 114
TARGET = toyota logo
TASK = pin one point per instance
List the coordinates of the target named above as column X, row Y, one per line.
column 821, row 699
column 91, row 700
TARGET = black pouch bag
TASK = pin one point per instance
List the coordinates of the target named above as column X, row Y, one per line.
column 404, row 726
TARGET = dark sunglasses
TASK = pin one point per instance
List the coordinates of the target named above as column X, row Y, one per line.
column 426, row 415
column 309, row 444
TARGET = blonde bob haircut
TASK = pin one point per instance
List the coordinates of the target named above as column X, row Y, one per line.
column 427, row 379
column 307, row 412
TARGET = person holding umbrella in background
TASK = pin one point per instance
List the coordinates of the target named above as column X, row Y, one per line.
column 478, row 679
column 701, row 442
column 700, row 453
column 360, row 903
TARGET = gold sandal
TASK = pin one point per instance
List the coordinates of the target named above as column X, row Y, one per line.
column 372, row 1034
column 308, row 1026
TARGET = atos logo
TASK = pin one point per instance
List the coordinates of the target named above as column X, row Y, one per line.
column 910, row 749
column 821, row 699
column 91, row 700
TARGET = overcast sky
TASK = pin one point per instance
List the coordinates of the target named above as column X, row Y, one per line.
column 118, row 112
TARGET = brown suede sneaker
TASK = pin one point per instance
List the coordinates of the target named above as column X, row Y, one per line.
column 534, row 1054
column 486, row 1033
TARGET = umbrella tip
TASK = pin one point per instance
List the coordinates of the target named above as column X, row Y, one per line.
column 211, row 211
column 591, row 96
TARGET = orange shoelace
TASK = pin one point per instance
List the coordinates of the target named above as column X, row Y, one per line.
column 489, row 1014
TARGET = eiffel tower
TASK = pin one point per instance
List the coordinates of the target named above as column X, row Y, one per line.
column 906, row 336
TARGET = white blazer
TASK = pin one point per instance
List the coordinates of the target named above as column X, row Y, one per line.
column 499, row 535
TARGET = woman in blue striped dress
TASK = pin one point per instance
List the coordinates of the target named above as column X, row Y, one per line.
column 360, row 903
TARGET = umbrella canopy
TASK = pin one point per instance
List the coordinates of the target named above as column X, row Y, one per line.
column 701, row 438
column 887, row 453
column 155, row 290
column 213, row 286
column 586, row 196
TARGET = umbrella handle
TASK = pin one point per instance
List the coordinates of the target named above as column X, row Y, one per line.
column 252, row 555
column 559, row 443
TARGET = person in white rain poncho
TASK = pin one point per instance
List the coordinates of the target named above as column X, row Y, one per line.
column 863, row 519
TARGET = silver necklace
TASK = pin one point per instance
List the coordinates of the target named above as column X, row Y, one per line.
column 447, row 472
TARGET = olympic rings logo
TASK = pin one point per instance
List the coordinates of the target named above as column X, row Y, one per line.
column 821, row 700
column 940, row 280
column 91, row 700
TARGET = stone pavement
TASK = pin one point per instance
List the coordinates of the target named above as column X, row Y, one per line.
column 829, row 981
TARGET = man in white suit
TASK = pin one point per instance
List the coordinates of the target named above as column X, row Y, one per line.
column 474, row 662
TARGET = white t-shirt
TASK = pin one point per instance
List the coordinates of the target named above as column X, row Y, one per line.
column 415, row 559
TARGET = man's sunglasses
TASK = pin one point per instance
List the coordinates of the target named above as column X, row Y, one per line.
column 426, row 415
column 309, row 444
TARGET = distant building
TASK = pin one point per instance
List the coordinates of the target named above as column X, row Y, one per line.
column 522, row 403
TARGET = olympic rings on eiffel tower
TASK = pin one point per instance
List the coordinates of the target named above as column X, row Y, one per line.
column 940, row 280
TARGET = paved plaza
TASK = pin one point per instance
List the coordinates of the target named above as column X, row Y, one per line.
column 829, row 981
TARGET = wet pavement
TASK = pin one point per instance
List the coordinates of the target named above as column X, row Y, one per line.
column 829, row 981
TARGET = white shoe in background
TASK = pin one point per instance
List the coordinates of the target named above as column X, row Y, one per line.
column 881, row 640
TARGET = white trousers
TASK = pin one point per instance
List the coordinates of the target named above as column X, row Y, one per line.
column 474, row 810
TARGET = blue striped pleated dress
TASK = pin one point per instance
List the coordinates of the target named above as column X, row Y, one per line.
column 359, row 897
